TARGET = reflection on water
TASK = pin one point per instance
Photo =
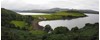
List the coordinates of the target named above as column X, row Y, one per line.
column 33, row 13
column 79, row 22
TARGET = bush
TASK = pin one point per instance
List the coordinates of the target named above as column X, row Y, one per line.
column 75, row 29
column 48, row 28
column 61, row 30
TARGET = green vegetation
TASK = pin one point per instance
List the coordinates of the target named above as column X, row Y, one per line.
column 60, row 30
column 38, row 32
column 18, row 27
column 61, row 15
column 16, row 34
column 75, row 29
column 48, row 28
column 67, row 13
column 48, row 17
column 89, row 32
column 20, row 24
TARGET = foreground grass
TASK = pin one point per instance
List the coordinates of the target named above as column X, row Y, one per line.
column 20, row 24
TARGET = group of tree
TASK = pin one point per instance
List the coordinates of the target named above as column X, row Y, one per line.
column 7, row 16
column 10, row 32
column 88, row 32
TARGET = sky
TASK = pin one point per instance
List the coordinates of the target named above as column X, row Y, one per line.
column 47, row 4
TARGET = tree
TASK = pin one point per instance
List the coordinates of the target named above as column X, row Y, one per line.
column 75, row 29
column 48, row 28
column 28, row 19
column 60, row 30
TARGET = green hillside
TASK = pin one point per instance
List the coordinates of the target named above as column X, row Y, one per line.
column 60, row 15
column 19, row 27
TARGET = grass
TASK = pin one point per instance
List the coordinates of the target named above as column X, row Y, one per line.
column 64, row 13
column 48, row 16
column 37, row 32
column 20, row 24
column 58, row 15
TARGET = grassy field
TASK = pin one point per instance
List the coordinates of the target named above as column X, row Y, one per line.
column 48, row 16
column 59, row 15
column 20, row 24
column 64, row 13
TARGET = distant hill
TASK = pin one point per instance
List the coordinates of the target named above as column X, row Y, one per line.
column 53, row 10
column 86, row 11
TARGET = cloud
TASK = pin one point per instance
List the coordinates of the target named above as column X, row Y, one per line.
column 45, row 4
column 77, row 4
column 19, row 5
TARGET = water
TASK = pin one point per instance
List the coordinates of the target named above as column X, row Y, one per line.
column 79, row 22
column 33, row 13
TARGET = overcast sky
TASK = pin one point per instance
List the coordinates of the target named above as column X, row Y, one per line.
column 47, row 4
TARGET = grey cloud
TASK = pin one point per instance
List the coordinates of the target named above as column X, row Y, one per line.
column 75, row 4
